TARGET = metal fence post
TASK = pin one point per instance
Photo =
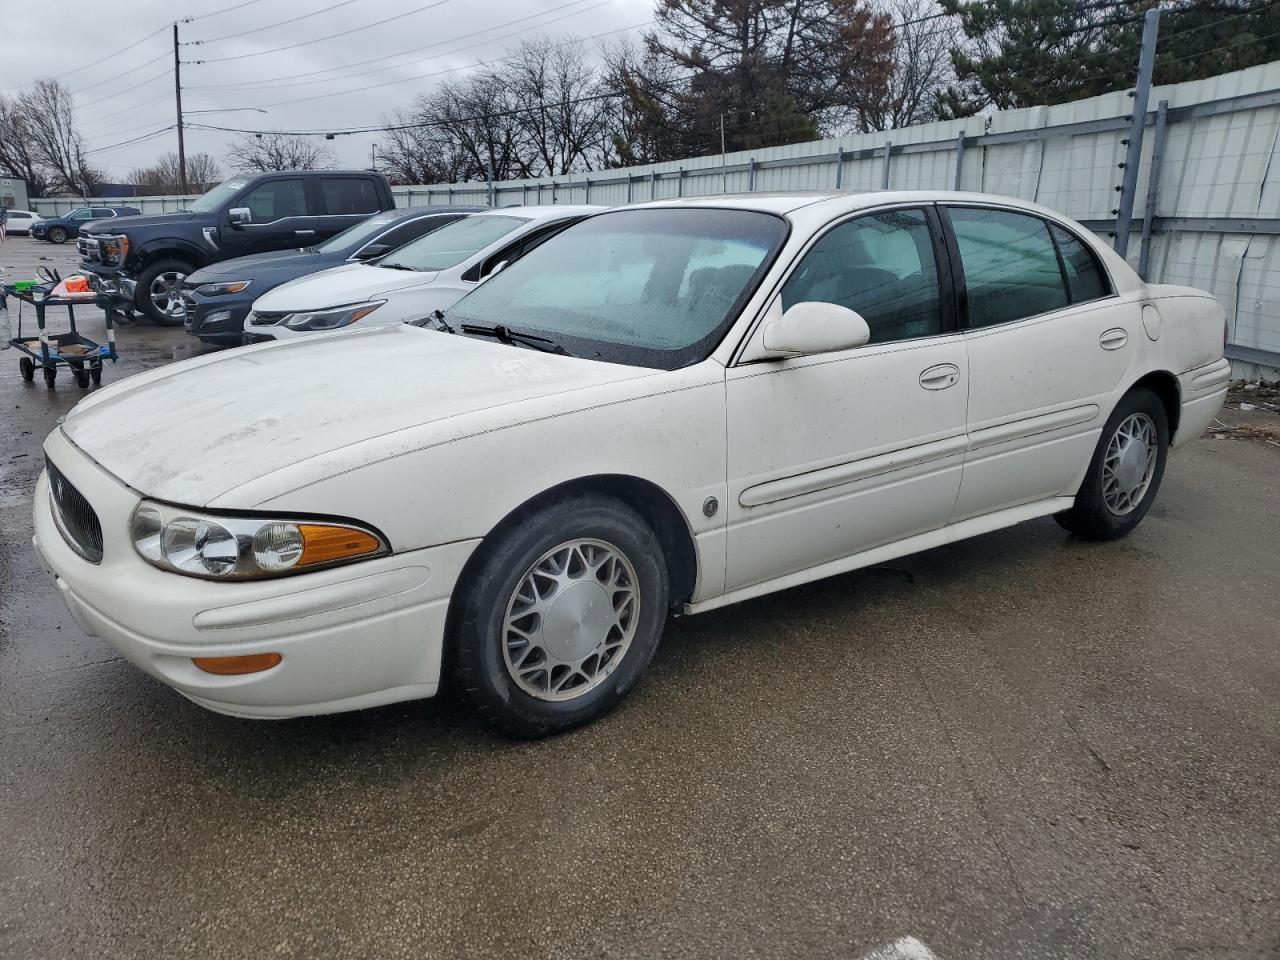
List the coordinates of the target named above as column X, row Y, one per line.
column 884, row 176
column 959, row 158
column 1153, row 186
column 629, row 182
column 1133, row 156
column 680, row 183
column 587, row 196
column 751, row 175
column 839, row 167
column 653, row 185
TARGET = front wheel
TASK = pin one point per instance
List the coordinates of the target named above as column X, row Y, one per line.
column 1126, row 470
column 560, row 617
column 159, row 293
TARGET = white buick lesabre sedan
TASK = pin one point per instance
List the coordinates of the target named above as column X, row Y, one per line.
column 665, row 408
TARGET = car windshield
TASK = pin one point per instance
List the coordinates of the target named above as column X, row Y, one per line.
column 450, row 245
column 218, row 195
column 358, row 234
column 653, row 288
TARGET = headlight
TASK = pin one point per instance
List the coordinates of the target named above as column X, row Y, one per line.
column 332, row 318
column 113, row 248
column 245, row 548
column 222, row 289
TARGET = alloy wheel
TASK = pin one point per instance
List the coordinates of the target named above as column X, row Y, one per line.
column 166, row 294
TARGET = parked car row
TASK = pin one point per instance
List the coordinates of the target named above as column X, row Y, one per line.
column 68, row 227
column 20, row 222
column 619, row 414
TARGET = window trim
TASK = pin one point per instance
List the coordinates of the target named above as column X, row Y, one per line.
column 958, row 278
column 942, row 264
column 242, row 197
column 322, row 201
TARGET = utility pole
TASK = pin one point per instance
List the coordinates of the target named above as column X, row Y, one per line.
column 1133, row 156
column 177, row 99
column 724, row 182
column 373, row 157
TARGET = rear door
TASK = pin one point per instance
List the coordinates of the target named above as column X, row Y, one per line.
column 1048, row 343
column 341, row 202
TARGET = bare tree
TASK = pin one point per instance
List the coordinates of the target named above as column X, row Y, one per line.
column 922, row 69
column 162, row 177
column 277, row 151
column 17, row 149
column 43, row 145
column 564, row 114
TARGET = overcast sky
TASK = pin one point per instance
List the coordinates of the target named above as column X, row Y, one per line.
column 409, row 55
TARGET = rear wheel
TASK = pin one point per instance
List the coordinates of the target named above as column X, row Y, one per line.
column 50, row 375
column 1126, row 470
column 57, row 235
column 159, row 293
column 27, row 368
column 560, row 617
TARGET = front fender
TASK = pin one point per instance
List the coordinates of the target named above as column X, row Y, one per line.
column 176, row 248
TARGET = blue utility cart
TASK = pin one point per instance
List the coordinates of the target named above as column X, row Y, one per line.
column 46, row 352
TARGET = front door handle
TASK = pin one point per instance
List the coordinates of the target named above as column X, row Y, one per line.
column 940, row 377
column 1113, row 339
column 304, row 233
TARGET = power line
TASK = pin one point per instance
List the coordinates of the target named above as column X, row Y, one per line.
column 120, row 93
column 130, row 142
column 437, row 73
column 340, row 33
column 206, row 16
column 268, row 26
column 133, row 69
column 273, row 82
column 59, row 76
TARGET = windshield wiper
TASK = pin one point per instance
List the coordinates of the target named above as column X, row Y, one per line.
column 433, row 321
column 504, row 334
column 389, row 266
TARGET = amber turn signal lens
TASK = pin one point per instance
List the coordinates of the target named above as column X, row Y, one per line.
column 236, row 666
column 324, row 544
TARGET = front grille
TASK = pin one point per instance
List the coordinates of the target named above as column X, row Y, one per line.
column 75, row 519
column 88, row 249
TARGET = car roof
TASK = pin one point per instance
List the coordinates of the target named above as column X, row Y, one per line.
column 834, row 202
column 541, row 211
column 407, row 213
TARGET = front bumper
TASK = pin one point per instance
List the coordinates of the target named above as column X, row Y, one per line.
column 110, row 280
column 350, row 637
column 215, row 318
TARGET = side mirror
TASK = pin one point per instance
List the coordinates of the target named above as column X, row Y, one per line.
column 498, row 268
column 239, row 216
column 813, row 327
column 373, row 251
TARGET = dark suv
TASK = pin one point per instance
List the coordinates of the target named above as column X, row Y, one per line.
column 59, row 229
column 143, row 261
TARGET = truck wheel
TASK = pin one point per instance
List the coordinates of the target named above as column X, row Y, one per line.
column 57, row 235
column 159, row 293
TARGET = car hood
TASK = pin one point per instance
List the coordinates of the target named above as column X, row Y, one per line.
column 349, row 283
column 266, row 268
column 121, row 224
column 190, row 432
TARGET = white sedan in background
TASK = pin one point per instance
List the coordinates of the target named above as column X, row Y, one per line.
column 428, row 274
column 664, row 408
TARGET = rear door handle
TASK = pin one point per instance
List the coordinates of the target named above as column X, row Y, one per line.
column 940, row 377
column 1113, row 339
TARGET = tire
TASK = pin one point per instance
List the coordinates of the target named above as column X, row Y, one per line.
column 596, row 544
column 27, row 367
column 82, row 378
column 1117, row 493
column 50, row 376
column 57, row 235
column 166, row 273
column 95, row 374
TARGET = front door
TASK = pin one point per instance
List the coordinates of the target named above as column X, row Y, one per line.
column 1048, row 344
column 281, row 219
column 833, row 454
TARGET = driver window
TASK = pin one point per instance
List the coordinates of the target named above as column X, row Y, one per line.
column 276, row 199
column 880, row 265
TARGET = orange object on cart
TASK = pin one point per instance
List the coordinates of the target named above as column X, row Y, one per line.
column 74, row 287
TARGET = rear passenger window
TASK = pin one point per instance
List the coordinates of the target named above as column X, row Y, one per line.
column 880, row 265
column 1010, row 266
column 1085, row 279
column 347, row 195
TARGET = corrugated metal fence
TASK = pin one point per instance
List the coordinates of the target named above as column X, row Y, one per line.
column 1209, row 217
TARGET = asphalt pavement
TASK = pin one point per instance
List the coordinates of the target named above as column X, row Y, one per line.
column 1022, row 745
